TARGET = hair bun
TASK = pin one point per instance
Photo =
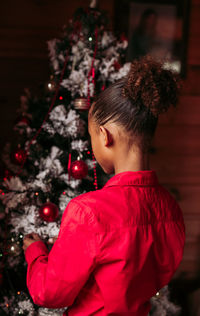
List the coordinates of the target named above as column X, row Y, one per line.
column 149, row 84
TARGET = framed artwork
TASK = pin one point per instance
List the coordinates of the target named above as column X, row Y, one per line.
column 157, row 28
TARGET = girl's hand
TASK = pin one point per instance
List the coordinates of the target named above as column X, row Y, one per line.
column 29, row 239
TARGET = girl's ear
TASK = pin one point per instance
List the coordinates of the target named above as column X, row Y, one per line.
column 106, row 136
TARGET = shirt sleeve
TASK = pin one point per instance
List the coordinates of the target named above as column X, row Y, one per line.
column 54, row 279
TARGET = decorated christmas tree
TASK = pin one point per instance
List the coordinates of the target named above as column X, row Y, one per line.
column 53, row 161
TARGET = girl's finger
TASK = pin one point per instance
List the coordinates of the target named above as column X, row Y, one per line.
column 36, row 236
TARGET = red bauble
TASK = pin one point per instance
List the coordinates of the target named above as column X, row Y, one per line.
column 79, row 169
column 49, row 212
column 19, row 156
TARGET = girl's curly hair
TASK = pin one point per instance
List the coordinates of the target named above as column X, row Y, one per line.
column 152, row 86
column 135, row 101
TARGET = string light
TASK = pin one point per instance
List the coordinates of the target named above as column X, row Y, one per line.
column 95, row 172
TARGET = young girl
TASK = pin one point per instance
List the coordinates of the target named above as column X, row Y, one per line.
column 119, row 245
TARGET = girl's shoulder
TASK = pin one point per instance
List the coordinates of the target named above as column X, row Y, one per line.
column 84, row 208
column 88, row 198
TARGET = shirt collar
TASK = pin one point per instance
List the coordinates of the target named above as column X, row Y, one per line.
column 139, row 178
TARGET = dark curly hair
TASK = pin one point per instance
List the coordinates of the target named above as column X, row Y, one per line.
column 135, row 101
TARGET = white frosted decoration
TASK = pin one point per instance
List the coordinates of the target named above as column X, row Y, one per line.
column 81, row 45
column 47, row 127
column 52, row 47
column 107, row 39
column 79, row 145
column 15, row 183
column 29, row 130
column 122, row 72
column 61, row 57
column 74, row 81
column 50, row 312
column 84, row 89
column 107, row 67
column 75, row 50
column 40, row 183
column 77, row 80
column 58, row 113
column 66, row 124
column 12, row 199
column 74, row 125
column 73, row 183
column 52, row 162
column 17, row 195
column 52, row 53
column 64, row 199
column 90, row 163
column 174, row 65
column 26, row 306
column 49, row 230
column 55, row 64
column 26, row 222
column 77, row 54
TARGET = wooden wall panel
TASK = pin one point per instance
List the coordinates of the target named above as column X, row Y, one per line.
column 191, row 85
column 186, row 112
column 194, row 42
column 178, row 140
column 176, row 147
column 188, row 197
column 176, row 170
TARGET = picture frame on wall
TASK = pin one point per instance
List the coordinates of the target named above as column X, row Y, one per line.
column 156, row 28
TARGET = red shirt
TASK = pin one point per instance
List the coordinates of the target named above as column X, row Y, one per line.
column 116, row 248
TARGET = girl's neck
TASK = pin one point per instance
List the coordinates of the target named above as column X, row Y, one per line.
column 133, row 160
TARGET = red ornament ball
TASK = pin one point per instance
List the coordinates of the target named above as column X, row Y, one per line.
column 79, row 169
column 48, row 212
column 19, row 156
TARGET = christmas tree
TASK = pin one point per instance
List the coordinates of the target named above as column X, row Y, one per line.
column 53, row 162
